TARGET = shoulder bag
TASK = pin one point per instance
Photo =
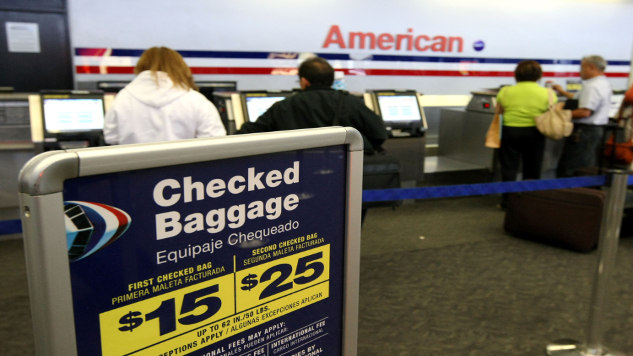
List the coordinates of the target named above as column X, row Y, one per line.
column 493, row 137
column 619, row 147
column 554, row 123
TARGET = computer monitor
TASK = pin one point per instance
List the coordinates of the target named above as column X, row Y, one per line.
column 72, row 117
column 399, row 109
column 257, row 103
column 616, row 101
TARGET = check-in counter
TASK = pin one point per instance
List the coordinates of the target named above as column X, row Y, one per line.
column 17, row 145
column 22, row 136
column 433, row 106
column 406, row 141
column 403, row 115
column 462, row 133
column 407, row 136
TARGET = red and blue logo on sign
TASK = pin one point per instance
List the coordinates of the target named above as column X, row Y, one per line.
column 90, row 227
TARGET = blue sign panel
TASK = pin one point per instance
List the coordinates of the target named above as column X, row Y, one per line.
column 230, row 257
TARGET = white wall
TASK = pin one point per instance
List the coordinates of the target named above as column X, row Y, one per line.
column 511, row 29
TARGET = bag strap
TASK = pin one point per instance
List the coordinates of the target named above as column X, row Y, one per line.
column 337, row 118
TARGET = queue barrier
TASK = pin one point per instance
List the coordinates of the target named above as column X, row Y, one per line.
column 463, row 190
column 447, row 191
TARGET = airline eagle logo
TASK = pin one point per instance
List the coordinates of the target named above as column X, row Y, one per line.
column 90, row 227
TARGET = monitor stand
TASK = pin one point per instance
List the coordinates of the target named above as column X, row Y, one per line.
column 68, row 145
column 406, row 132
column 400, row 133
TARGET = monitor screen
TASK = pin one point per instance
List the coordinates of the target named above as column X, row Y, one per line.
column 257, row 105
column 73, row 114
column 616, row 101
column 399, row 108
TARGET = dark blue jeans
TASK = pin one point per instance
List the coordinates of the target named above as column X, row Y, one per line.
column 581, row 149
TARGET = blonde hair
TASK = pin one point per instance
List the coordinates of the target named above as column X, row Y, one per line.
column 166, row 60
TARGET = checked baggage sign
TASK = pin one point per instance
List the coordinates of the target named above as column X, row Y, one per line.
column 245, row 245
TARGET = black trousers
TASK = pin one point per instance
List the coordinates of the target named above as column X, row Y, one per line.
column 524, row 145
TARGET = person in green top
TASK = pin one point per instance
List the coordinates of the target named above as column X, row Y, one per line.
column 520, row 140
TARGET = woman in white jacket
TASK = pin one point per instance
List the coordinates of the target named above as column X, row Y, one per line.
column 161, row 104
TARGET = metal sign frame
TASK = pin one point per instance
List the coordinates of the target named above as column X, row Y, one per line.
column 41, row 199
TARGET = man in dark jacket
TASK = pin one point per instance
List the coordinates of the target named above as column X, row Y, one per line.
column 317, row 104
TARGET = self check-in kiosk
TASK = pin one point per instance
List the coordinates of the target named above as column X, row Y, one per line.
column 257, row 103
column 72, row 119
column 405, row 120
column 16, row 148
column 32, row 123
column 15, row 125
column 239, row 107
column 406, row 124
column 401, row 112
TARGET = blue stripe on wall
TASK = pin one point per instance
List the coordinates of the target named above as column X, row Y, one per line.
column 339, row 56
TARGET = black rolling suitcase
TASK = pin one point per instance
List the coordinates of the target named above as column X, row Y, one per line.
column 381, row 171
column 568, row 218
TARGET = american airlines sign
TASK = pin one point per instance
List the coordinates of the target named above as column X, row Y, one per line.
column 386, row 41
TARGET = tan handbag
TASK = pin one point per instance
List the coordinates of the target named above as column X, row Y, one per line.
column 493, row 137
column 554, row 123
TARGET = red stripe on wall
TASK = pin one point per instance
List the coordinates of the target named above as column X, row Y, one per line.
column 103, row 70
column 429, row 73
column 244, row 70
column 293, row 71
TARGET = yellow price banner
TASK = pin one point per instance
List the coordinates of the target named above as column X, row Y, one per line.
column 133, row 327
column 201, row 314
column 273, row 280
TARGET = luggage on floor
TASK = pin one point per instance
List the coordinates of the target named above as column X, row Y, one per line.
column 566, row 217
column 381, row 171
